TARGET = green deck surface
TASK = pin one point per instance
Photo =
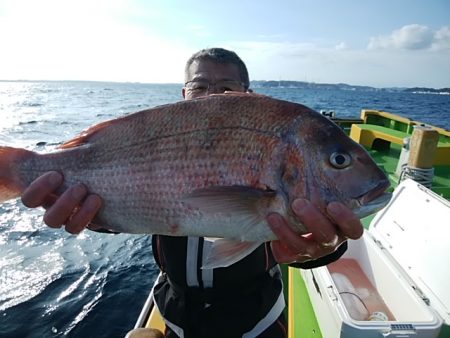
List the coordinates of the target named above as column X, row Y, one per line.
column 387, row 160
column 306, row 325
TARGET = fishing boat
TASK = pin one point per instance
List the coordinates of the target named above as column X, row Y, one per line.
column 396, row 294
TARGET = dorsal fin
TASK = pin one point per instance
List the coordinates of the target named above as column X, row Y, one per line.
column 92, row 132
column 88, row 134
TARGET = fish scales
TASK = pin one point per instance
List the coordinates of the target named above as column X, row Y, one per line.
column 160, row 149
column 255, row 154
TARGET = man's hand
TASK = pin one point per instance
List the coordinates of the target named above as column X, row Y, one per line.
column 74, row 208
column 324, row 237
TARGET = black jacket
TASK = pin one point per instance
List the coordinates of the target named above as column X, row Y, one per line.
column 231, row 301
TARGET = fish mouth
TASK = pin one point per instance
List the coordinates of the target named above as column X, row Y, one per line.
column 375, row 193
column 372, row 201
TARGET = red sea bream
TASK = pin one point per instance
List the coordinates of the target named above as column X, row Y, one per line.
column 213, row 167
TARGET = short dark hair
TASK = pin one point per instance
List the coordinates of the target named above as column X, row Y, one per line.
column 220, row 55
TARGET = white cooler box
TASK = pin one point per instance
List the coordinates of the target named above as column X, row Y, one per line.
column 395, row 280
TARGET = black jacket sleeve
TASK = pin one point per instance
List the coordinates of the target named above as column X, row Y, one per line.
column 322, row 260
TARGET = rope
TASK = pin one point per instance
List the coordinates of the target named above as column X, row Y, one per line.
column 422, row 176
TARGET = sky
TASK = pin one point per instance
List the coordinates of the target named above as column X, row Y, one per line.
column 382, row 43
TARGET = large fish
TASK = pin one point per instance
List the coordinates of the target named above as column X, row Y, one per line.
column 212, row 167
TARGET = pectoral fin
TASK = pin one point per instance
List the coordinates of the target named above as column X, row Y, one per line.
column 245, row 204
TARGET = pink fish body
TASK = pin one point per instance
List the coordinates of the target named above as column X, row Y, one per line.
column 211, row 167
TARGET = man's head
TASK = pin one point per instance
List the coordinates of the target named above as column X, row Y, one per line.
column 214, row 70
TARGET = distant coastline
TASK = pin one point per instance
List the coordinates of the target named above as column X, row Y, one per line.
column 344, row 86
column 292, row 84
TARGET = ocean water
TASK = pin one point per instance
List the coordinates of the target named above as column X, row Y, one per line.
column 53, row 284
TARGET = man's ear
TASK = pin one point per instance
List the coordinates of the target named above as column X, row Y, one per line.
column 183, row 92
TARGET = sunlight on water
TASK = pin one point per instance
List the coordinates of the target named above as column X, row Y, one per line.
column 22, row 113
column 88, row 307
column 22, row 278
column 15, row 217
column 27, row 265
column 73, row 287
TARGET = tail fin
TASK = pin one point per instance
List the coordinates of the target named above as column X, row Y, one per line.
column 10, row 183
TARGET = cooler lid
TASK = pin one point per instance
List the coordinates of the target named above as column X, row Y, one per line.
column 415, row 229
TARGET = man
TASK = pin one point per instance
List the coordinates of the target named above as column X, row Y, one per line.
column 244, row 299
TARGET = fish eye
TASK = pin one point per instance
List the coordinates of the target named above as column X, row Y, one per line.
column 340, row 160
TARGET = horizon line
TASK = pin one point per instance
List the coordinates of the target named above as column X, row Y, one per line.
column 181, row 83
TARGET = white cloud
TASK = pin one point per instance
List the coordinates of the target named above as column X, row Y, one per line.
column 442, row 39
column 341, row 46
column 413, row 37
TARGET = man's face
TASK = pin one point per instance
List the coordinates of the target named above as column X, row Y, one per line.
column 206, row 77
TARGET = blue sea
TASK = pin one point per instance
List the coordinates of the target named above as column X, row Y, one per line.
column 53, row 284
